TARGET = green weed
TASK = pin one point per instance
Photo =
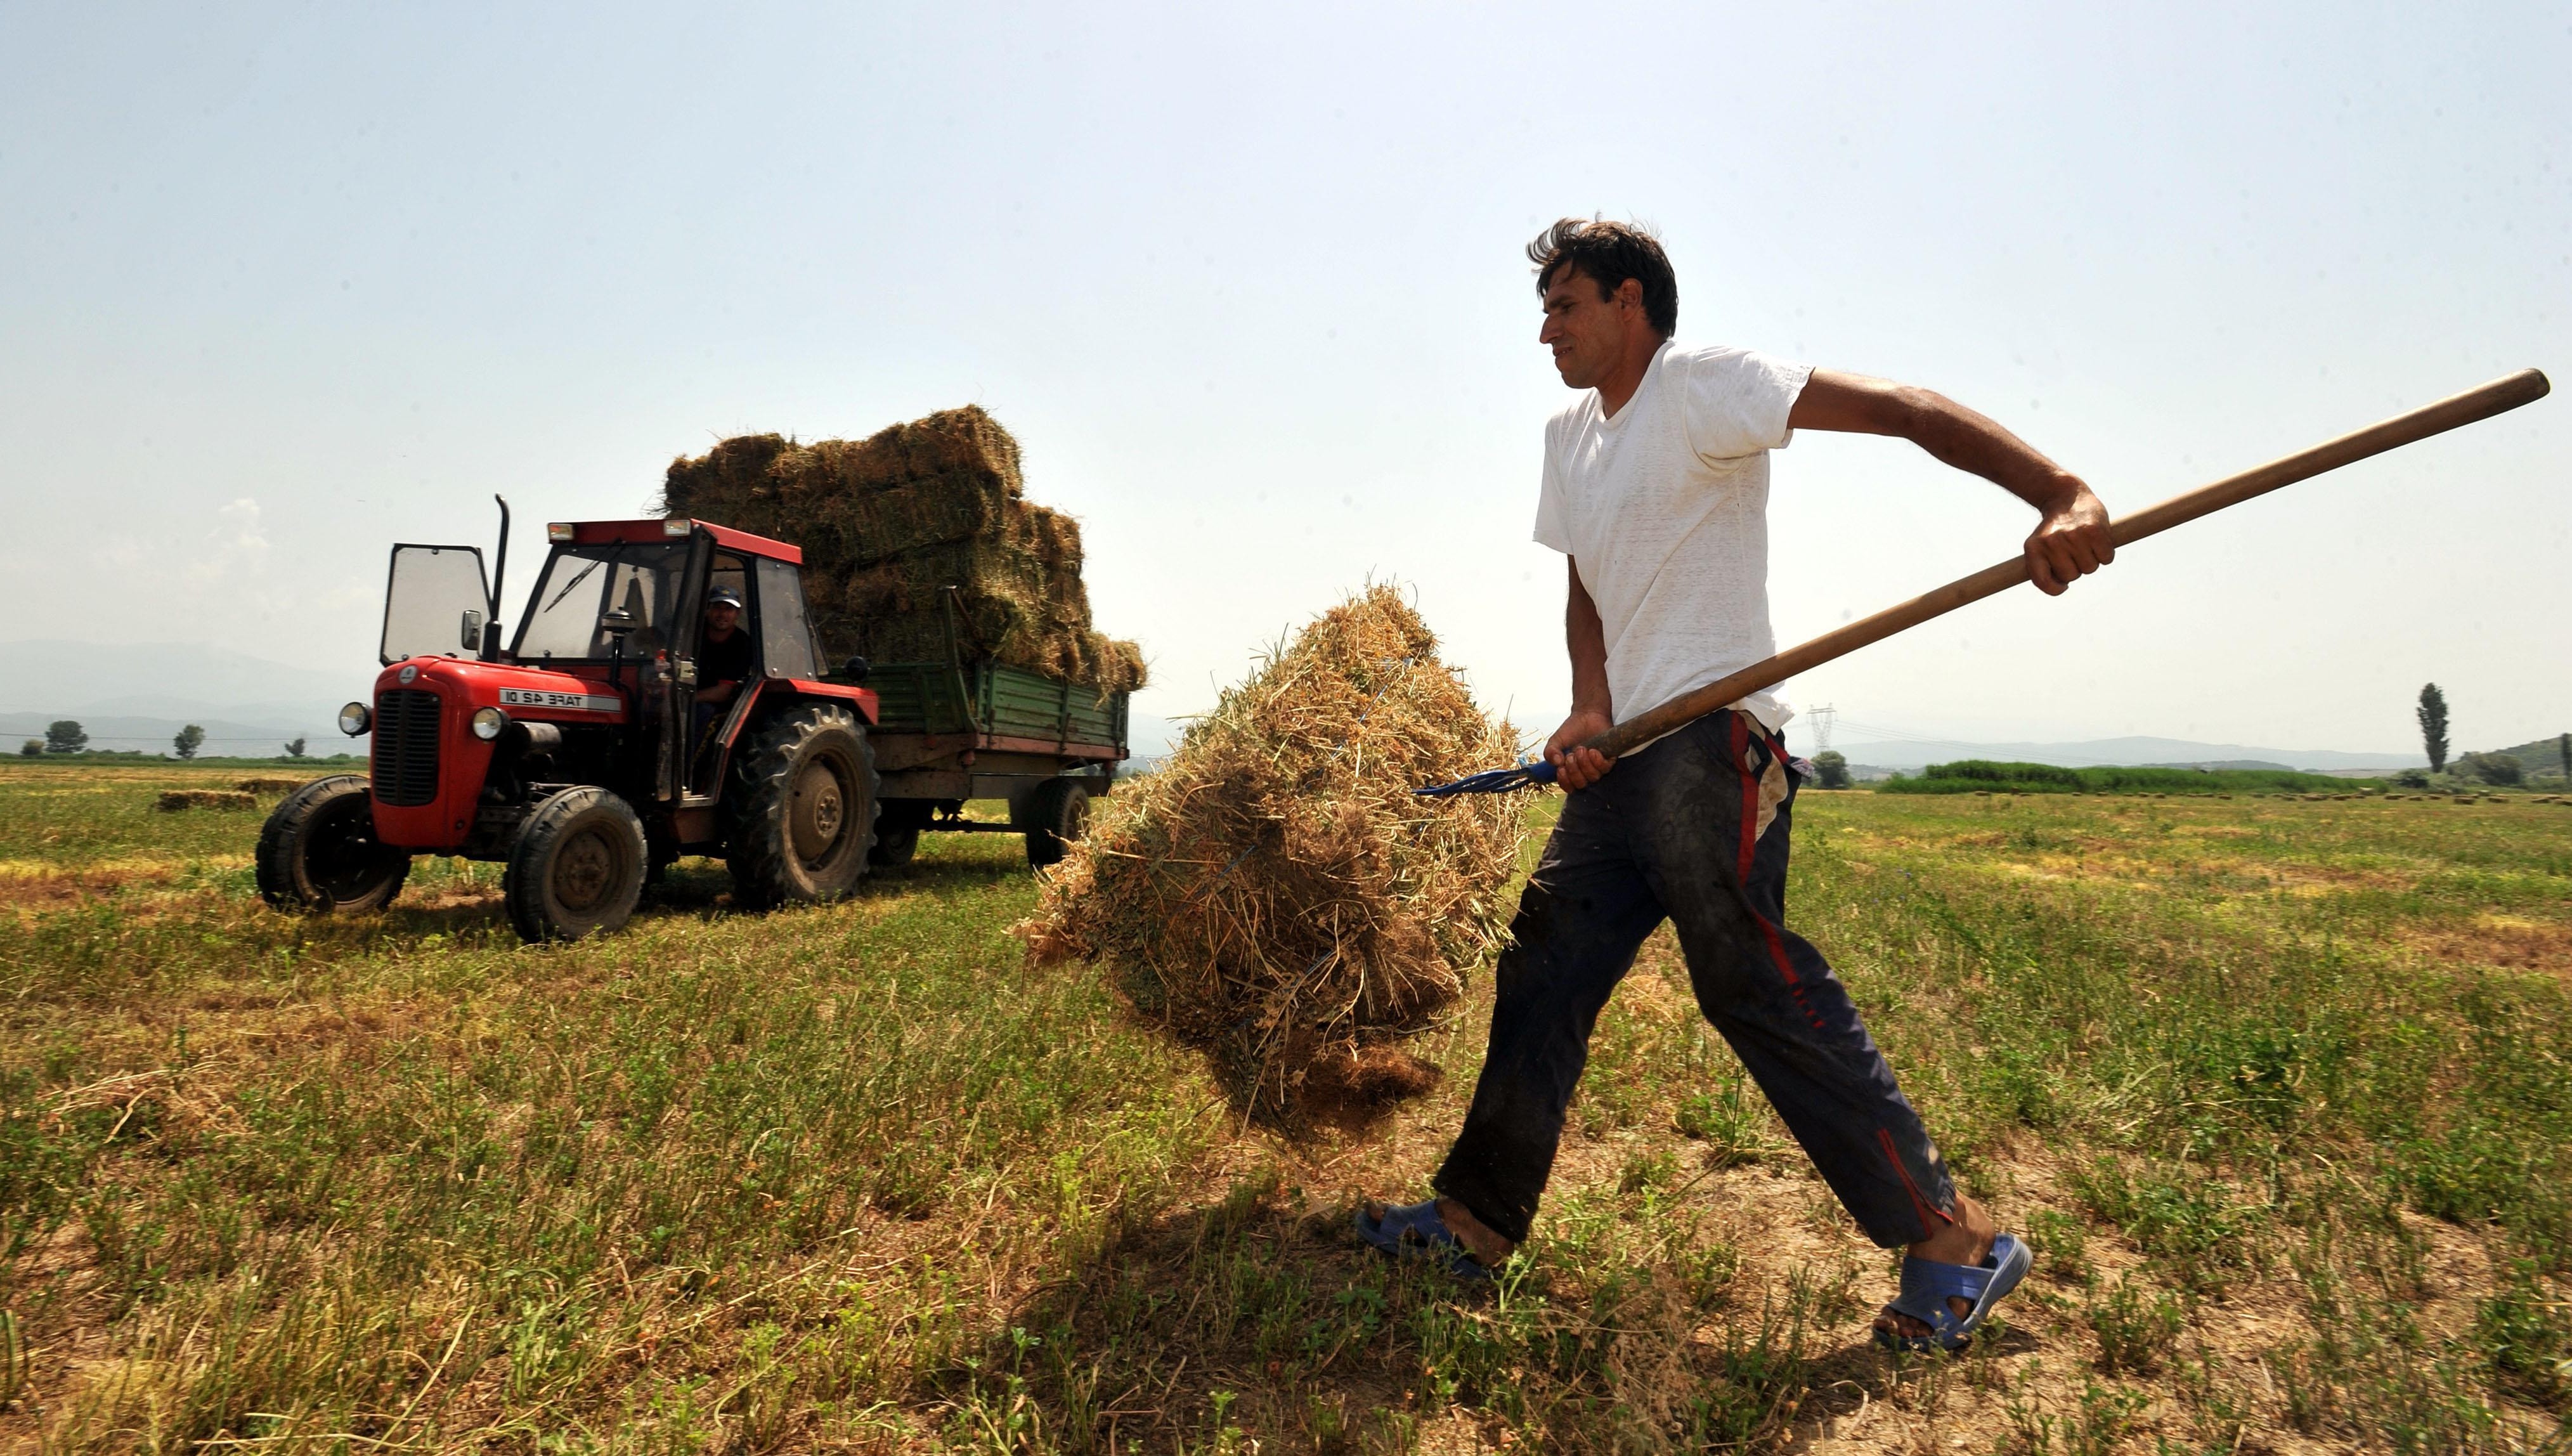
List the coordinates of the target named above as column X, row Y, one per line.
column 2062, row 1241
column 2524, row 1334
column 2095, row 1425
column 2138, row 1327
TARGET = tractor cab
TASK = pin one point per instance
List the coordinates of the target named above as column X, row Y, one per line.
column 587, row 750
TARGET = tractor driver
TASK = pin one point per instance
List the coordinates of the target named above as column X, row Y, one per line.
column 723, row 652
column 723, row 665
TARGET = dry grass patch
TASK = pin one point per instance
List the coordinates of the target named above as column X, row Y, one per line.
column 2511, row 943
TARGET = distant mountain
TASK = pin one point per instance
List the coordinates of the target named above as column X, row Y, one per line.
column 2538, row 756
column 161, row 680
column 137, row 694
column 2548, row 749
column 2125, row 752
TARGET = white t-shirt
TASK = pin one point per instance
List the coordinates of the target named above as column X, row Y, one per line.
column 1665, row 507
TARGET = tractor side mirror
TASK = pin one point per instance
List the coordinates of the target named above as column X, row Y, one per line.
column 472, row 635
column 856, row 669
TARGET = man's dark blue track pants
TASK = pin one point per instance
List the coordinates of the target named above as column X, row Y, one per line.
column 1694, row 828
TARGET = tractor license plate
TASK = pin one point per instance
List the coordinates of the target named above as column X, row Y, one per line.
column 541, row 698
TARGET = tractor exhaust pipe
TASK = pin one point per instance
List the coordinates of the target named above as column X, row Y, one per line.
column 499, row 569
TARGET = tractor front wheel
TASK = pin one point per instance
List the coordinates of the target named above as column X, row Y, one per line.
column 577, row 867
column 803, row 810
column 1053, row 815
column 319, row 854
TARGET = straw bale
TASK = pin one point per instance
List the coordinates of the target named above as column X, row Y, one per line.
column 951, row 442
column 888, row 523
column 271, row 786
column 179, row 800
column 906, row 517
column 966, row 448
column 1274, row 892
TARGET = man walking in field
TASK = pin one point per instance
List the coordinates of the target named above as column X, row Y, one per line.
column 1656, row 489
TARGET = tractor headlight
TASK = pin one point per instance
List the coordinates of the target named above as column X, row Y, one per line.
column 355, row 719
column 488, row 723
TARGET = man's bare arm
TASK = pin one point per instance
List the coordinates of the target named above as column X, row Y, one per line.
column 2069, row 543
column 1592, row 708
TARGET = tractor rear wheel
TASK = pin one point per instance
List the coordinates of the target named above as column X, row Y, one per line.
column 317, row 853
column 1054, row 814
column 577, row 867
column 802, row 808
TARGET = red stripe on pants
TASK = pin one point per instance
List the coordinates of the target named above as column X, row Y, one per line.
column 1931, row 1216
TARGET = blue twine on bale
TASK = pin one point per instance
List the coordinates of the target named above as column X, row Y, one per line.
column 1494, row 781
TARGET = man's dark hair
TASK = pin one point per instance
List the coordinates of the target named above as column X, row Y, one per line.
column 1611, row 253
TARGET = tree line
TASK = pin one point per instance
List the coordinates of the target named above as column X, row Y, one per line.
column 66, row 735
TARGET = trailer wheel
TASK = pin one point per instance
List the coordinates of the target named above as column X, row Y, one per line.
column 1053, row 816
column 577, row 867
column 317, row 853
column 897, row 829
column 802, row 808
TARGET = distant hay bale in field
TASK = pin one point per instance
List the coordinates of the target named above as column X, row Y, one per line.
column 177, row 800
column 890, row 523
column 271, row 786
column 1274, row 892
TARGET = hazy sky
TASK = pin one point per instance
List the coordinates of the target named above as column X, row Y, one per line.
column 282, row 284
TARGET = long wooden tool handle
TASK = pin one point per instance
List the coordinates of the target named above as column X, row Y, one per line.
column 2501, row 394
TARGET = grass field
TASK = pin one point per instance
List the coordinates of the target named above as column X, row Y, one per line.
column 2281, row 1090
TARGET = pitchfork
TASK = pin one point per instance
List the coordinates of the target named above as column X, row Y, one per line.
column 2501, row 396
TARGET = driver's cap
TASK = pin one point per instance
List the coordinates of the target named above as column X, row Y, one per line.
column 724, row 596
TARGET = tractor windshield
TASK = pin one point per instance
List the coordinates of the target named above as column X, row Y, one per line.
column 567, row 618
column 433, row 603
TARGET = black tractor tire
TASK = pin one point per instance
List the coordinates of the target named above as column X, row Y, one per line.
column 898, row 827
column 801, row 818
column 1054, row 814
column 317, row 853
column 577, row 867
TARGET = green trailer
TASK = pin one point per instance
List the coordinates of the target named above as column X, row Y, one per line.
column 950, row 732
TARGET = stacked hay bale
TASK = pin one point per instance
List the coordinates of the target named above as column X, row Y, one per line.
column 890, row 523
column 1274, row 892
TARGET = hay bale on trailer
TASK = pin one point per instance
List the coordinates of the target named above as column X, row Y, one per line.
column 1275, row 894
column 891, row 523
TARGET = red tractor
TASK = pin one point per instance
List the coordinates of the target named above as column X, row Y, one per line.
column 579, row 754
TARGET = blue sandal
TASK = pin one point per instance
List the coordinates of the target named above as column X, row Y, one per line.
column 1414, row 1230
column 1928, row 1285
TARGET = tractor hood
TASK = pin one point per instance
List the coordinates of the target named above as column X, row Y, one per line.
column 428, row 765
column 537, row 693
